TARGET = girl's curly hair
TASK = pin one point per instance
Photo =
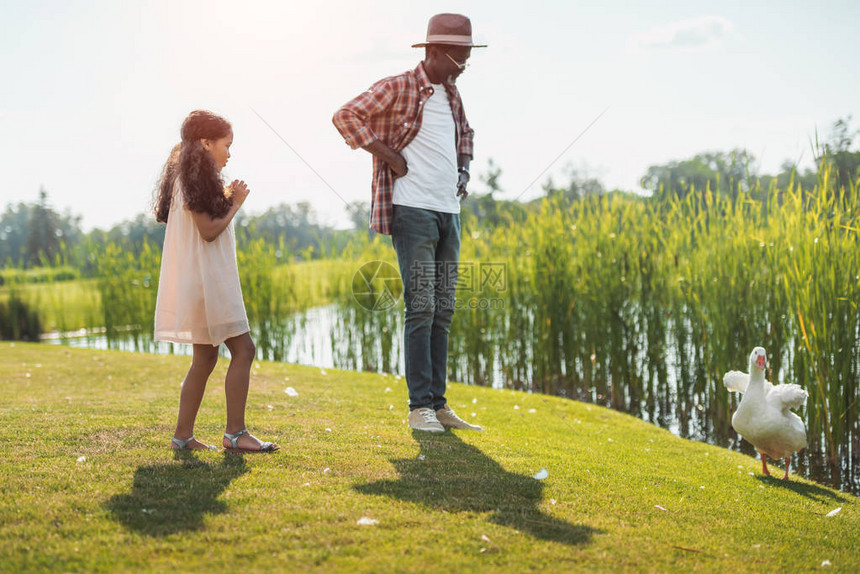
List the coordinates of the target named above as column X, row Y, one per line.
column 202, row 185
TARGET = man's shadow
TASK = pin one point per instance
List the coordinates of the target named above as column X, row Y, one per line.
column 457, row 477
column 175, row 497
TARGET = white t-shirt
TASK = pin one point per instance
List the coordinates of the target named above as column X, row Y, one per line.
column 431, row 157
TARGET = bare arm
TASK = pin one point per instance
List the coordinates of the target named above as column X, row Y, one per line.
column 394, row 160
column 210, row 228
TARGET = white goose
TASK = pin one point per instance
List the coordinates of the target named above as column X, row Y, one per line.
column 763, row 417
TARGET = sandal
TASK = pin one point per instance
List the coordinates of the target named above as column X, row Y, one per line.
column 234, row 441
column 183, row 444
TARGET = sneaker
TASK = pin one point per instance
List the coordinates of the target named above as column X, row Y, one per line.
column 450, row 420
column 425, row 420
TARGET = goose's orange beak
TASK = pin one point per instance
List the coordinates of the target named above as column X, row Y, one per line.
column 761, row 361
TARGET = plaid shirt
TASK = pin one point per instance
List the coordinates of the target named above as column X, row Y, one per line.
column 391, row 111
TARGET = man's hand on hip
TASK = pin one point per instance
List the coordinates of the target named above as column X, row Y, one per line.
column 394, row 160
column 398, row 164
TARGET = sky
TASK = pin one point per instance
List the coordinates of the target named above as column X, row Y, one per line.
column 93, row 93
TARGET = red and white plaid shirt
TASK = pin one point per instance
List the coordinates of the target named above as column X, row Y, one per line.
column 391, row 111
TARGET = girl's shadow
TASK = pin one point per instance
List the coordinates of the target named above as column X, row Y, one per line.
column 457, row 477
column 170, row 498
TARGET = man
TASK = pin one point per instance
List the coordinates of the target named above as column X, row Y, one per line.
column 416, row 129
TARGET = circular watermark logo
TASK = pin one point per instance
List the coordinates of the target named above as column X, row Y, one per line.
column 376, row 286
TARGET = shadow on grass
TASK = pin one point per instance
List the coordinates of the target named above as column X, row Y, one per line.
column 457, row 477
column 175, row 497
column 813, row 491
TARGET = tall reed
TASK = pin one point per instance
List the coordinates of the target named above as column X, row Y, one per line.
column 636, row 303
column 128, row 286
column 643, row 304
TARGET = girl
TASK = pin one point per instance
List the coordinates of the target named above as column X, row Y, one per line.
column 199, row 296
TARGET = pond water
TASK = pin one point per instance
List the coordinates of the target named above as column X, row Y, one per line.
column 345, row 337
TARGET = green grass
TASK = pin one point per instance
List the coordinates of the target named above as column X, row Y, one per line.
column 621, row 495
column 63, row 305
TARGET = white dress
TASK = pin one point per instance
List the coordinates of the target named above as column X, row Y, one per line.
column 199, row 295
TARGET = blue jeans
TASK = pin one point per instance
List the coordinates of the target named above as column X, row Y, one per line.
column 428, row 250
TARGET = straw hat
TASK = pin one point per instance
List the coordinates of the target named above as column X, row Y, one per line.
column 450, row 30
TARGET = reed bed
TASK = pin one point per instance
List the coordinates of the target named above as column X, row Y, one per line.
column 642, row 305
column 636, row 303
column 128, row 286
column 120, row 302
column 63, row 306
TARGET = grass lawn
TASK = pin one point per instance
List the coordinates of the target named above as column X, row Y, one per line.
column 88, row 482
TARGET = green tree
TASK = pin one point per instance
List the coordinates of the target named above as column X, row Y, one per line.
column 726, row 172
column 14, row 227
column 579, row 186
column 491, row 178
column 43, row 236
column 359, row 214
column 484, row 209
column 837, row 153
column 295, row 225
column 789, row 173
column 132, row 234
column 31, row 232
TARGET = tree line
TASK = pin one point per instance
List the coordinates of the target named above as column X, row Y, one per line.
column 36, row 235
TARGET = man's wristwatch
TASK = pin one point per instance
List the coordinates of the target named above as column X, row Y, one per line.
column 464, row 170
